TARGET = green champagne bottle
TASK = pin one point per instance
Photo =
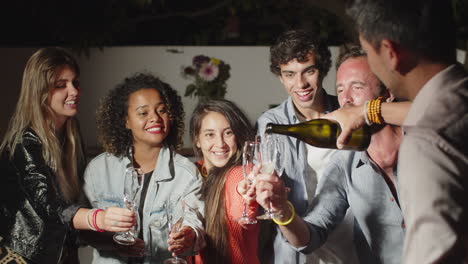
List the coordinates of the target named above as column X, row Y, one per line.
column 322, row 133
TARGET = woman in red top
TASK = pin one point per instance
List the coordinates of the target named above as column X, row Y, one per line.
column 219, row 129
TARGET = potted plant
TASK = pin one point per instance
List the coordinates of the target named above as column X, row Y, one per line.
column 209, row 77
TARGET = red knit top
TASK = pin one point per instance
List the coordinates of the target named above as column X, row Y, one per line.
column 243, row 241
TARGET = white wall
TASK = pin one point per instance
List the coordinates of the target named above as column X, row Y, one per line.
column 252, row 86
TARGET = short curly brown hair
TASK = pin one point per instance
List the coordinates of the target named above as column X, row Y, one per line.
column 298, row 44
column 112, row 114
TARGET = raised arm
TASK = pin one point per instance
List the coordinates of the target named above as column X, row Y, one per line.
column 353, row 117
column 272, row 193
column 311, row 231
column 394, row 113
column 36, row 179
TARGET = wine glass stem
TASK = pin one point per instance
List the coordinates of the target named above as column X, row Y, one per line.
column 244, row 213
column 268, row 211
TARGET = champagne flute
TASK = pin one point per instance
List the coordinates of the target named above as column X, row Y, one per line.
column 270, row 153
column 175, row 220
column 131, row 190
column 279, row 167
column 250, row 157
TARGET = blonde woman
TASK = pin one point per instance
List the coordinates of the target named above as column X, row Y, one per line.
column 41, row 164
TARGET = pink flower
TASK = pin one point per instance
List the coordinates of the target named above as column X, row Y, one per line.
column 208, row 72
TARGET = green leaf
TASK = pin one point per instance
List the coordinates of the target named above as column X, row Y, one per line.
column 190, row 89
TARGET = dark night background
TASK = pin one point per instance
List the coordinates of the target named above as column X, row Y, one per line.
column 89, row 23
column 82, row 24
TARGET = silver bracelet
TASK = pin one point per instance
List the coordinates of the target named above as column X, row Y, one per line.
column 90, row 211
column 368, row 122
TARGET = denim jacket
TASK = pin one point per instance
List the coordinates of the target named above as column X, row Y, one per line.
column 174, row 178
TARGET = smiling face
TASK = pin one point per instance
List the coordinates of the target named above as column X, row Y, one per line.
column 63, row 98
column 301, row 81
column 147, row 118
column 355, row 82
column 216, row 140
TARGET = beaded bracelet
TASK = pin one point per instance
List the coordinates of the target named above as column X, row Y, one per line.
column 371, row 110
column 287, row 222
column 90, row 211
column 374, row 111
column 95, row 220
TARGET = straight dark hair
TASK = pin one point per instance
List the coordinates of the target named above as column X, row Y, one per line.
column 234, row 115
column 217, row 248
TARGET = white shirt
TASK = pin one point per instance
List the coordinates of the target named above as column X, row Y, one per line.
column 433, row 169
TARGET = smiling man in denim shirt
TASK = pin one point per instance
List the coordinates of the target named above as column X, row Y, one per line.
column 301, row 61
column 365, row 182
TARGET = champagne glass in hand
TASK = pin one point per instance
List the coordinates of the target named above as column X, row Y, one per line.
column 271, row 148
column 175, row 220
column 131, row 191
column 250, row 157
column 279, row 163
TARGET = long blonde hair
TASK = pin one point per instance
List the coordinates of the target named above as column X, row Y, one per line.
column 64, row 156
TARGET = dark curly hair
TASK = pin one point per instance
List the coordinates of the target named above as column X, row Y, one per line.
column 112, row 114
column 298, row 44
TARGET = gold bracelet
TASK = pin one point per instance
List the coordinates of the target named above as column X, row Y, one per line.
column 287, row 222
column 374, row 111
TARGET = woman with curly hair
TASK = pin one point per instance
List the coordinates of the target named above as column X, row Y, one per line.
column 41, row 164
column 219, row 129
column 140, row 125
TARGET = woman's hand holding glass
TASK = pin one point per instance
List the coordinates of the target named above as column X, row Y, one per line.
column 131, row 193
column 181, row 237
column 247, row 189
column 181, row 240
column 116, row 219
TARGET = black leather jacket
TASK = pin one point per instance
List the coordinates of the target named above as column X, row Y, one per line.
column 35, row 221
